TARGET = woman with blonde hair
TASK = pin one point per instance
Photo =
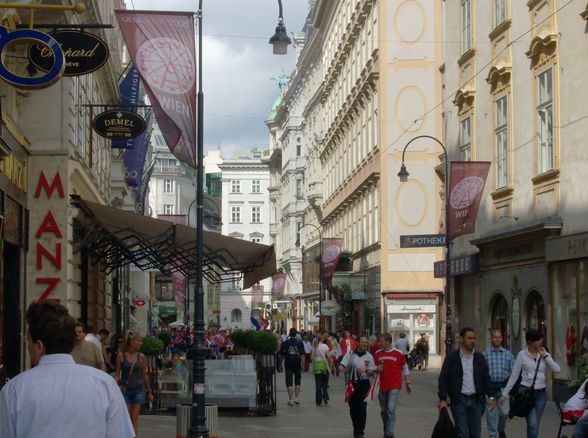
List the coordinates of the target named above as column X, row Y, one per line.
column 320, row 358
column 131, row 375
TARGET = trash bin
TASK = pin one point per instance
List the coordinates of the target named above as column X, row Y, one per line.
column 183, row 420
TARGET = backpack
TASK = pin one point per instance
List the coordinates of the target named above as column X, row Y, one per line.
column 292, row 352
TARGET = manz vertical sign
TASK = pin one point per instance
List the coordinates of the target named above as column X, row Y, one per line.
column 48, row 237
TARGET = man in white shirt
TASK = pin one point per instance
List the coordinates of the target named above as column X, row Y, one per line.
column 58, row 398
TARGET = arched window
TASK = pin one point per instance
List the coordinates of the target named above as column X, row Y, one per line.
column 236, row 315
column 499, row 317
column 535, row 309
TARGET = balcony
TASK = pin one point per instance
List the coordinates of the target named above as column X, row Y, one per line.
column 315, row 193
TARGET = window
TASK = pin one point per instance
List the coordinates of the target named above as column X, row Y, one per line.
column 256, row 239
column 235, row 214
column 465, row 138
column 546, row 159
column 499, row 12
column 255, row 215
column 256, row 186
column 299, row 189
column 235, row 186
column 236, row 315
column 501, row 134
column 298, row 150
column 169, row 209
column 168, row 185
column 466, row 25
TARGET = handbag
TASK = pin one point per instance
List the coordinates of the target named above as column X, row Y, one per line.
column 444, row 428
column 523, row 399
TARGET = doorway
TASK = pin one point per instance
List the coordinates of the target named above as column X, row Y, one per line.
column 499, row 317
column 535, row 309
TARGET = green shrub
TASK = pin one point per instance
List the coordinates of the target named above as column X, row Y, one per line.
column 151, row 346
column 262, row 342
column 165, row 337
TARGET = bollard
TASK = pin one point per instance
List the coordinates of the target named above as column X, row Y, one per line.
column 183, row 420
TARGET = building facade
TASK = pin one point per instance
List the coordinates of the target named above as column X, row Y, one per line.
column 245, row 215
column 518, row 103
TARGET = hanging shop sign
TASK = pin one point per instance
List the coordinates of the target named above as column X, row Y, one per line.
column 422, row 241
column 84, row 52
column 33, row 37
column 119, row 125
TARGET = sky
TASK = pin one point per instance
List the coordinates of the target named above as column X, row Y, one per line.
column 238, row 64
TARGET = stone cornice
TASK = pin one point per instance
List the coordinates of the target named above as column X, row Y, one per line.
column 499, row 30
column 464, row 99
column 466, row 57
column 541, row 49
column 498, row 77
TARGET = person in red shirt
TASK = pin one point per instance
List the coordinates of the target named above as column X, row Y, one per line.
column 346, row 344
column 391, row 366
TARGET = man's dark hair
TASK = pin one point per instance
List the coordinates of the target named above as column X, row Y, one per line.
column 533, row 335
column 104, row 332
column 387, row 337
column 51, row 324
column 293, row 332
column 81, row 324
column 364, row 337
column 464, row 330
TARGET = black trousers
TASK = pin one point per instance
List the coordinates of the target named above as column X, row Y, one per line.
column 321, row 384
column 358, row 407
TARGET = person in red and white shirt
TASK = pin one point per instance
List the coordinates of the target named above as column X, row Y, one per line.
column 391, row 368
column 346, row 345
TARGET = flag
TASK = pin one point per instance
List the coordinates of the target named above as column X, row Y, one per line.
column 179, row 285
column 257, row 295
column 330, row 256
column 134, row 159
column 467, row 180
column 129, row 93
column 278, row 282
column 162, row 48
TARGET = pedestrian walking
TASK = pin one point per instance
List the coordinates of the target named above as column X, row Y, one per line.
column 87, row 352
column 422, row 347
column 402, row 344
column 307, row 352
column 346, row 344
column 359, row 365
column 391, row 368
column 321, row 366
column 59, row 398
column 132, row 377
column 292, row 350
column 464, row 378
column 500, row 364
column 531, row 364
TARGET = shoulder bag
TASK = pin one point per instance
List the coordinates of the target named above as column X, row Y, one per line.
column 523, row 399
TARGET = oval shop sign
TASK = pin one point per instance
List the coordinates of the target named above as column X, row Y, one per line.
column 118, row 125
column 84, row 52
column 33, row 37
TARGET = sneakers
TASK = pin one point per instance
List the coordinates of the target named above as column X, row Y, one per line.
column 290, row 403
column 296, row 401
column 501, row 435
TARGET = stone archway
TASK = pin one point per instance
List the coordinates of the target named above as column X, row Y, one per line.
column 499, row 317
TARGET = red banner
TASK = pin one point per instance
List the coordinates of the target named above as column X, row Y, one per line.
column 278, row 283
column 162, row 48
column 467, row 180
column 330, row 256
column 179, row 285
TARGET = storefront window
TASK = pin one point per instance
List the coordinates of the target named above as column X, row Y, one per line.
column 413, row 318
column 500, row 317
column 536, row 313
column 565, row 317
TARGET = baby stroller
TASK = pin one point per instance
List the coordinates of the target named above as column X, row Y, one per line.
column 414, row 359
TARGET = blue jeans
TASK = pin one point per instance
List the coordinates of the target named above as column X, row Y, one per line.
column 581, row 429
column 388, row 402
column 467, row 416
column 501, row 411
column 534, row 417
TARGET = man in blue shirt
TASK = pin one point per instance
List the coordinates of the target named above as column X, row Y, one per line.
column 500, row 364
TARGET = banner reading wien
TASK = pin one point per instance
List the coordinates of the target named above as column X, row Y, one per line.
column 162, row 48
column 330, row 256
column 467, row 181
column 278, row 283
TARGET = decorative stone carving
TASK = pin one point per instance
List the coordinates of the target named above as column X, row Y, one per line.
column 542, row 49
column 498, row 78
column 464, row 100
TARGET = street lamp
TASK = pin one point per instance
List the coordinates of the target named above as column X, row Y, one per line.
column 280, row 39
column 403, row 175
column 198, row 427
column 320, row 268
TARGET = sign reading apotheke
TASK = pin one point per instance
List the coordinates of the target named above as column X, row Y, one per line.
column 422, row 241
column 83, row 51
column 118, row 125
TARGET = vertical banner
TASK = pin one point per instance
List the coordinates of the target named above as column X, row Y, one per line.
column 330, row 256
column 278, row 283
column 467, row 181
column 179, row 285
column 129, row 93
column 134, row 159
column 162, row 47
column 256, row 296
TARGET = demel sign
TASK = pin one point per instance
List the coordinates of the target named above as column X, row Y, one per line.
column 30, row 36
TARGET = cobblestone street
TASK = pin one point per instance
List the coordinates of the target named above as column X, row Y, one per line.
column 417, row 414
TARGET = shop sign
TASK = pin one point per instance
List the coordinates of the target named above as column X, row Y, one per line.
column 119, row 125
column 411, row 308
column 422, row 241
column 33, row 37
column 567, row 247
column 83, row 51
column 459, row 266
